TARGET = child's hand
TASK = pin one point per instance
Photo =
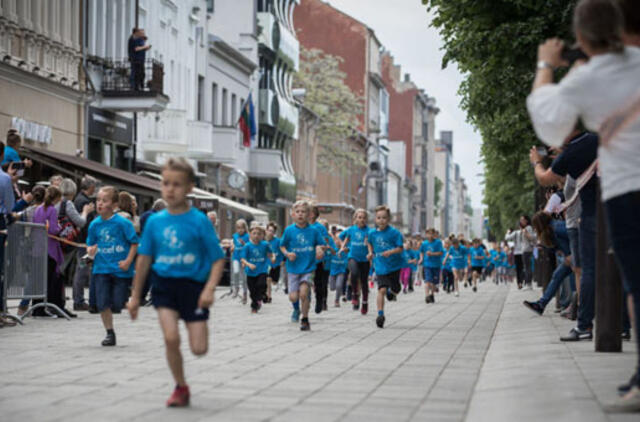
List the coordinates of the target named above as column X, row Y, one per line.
column 206, row 299
column 92, row 251
column 252, row 267
column 124, row 265
column 291, row 256
column 369, row 256
column 133, row 305
column 386, row 254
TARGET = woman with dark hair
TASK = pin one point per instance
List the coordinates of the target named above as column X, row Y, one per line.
column 552, row 234
column 523, row 239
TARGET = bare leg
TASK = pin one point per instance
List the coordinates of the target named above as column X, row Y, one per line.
column 380, row 299
column 168, row 319
column 198, row 337
column 294, row 297
column 304, row 299
column 107, row 319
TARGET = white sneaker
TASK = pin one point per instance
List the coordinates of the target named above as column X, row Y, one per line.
column 456, row 294
column 630, row 403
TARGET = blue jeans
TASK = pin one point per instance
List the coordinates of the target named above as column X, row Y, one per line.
column 624, row 232
column 587, row 305
column 561, row 272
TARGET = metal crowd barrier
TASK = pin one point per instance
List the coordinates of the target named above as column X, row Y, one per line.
column 25, row 267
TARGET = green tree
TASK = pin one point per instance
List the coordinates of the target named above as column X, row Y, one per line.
column 337, row 107
column 437, row 191
column 494, row 43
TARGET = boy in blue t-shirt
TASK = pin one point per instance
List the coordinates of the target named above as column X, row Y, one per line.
column 338, row 270
column 447, row 270
column 321, row 273
column 112, row 242
column 431, row 252
column 181, row 248
column 385, row 248
column 302, row 245
column 355, row 240
column 274, row 271
column 458, row 255
column 255, row 258
column 477, row 258
column 238, row 276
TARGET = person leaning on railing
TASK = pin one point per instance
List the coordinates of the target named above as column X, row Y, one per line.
column 593, row 92
column 7, row 201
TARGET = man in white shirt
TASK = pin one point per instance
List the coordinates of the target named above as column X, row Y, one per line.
column 593, row 92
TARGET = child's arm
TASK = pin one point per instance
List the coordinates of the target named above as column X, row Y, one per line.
column 344, row 244
column 370, row 248
column 207, row 296
column 143, row 264
column 124, row 265
column 394, row 251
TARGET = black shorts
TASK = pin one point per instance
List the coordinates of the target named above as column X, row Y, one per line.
column 391, row 280
column 274, row 274
column 477, row 269
column 179, row 294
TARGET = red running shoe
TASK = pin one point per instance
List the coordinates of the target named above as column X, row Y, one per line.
column 365, row 308
column 180, row 397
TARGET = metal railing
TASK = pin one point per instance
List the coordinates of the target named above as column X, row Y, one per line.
column 119, row 80
column 25, row 267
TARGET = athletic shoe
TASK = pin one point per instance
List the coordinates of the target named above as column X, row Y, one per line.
column 626, row 335
column 356, row 304
column 577, row 334
column 76, row 307
column 109, row 340
column 337, row 304
column 456, row 294
column 629, row 403
column 254, row 311
column 380, row 321
column 390, row 295
column 244, row 298
column 625, row 388
column 534, row 306
column 324, row 306
column 427, row 299
column 411, row 289
column 344, row 299
column 304, row 325
column 318, row 306
column 475, row 289
column 365, row 308
column 179, row 398
column 295, row 315
column 433, row 299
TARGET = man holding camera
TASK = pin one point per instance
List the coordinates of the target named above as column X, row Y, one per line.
column 594, row 92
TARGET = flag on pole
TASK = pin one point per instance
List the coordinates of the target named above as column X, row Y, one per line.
column 247, row 122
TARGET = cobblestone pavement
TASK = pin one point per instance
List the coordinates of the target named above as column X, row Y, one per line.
column 478, row 357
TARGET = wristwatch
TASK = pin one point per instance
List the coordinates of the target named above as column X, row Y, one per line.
column 543, row 65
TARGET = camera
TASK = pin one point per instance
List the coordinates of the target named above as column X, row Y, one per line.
column 572, row 54
column 542, row 151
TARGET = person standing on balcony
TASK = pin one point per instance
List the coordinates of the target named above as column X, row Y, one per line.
column 137, row 50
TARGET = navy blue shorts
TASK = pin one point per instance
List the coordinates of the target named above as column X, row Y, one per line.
column 111, row 292
column 432, row 275
column 179, row 294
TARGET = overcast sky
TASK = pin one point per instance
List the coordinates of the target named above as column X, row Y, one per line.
column 402, row 26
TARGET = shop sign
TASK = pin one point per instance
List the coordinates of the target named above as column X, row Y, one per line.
column 32, row 131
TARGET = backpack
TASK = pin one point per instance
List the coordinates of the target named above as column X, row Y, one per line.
column 68, row 230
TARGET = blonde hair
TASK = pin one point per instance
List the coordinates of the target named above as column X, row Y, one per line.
column 360, row 211
column 259, row 227
column 301, row 204
column 383, row 208
column 182, row 165
column 111, row 192
column 243, row 223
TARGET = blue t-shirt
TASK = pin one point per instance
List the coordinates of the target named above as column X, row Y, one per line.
column 325, row 236
column 10, row 155
column 181, row 246
column 384, row 240
column 493, row 256
column 339, row 263
column 503, row 260
column 258, row 255
column 328, row 254
column 415, row 254
column 432, row 246
column 238, row 242
column 114, row 238
column 302, row 241
column 138, row 56
column 447, row 265
column 458, row 257
column 478, row 257
column 357, row 245
column 275, row 249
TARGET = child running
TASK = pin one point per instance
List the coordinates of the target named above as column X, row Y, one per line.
column 274, row 271
column 112, row 242
column 457, row 253
column 240, row 238
column 385, row 248
column 255, row 258
column 338, row 270
column 447, row 270
column 302, row 245
column 355, row 240
column 477, row 258
column 181, row 248
column 431, row 252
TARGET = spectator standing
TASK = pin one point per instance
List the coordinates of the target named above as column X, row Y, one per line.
column 523, row 240
column 555, row 109
column 7, row 202
column 137, row 56
column 82, row 275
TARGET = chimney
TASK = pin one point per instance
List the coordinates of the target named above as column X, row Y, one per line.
column 407, row 77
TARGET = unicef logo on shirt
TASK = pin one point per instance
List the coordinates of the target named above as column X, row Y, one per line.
column 255, row 253
column 119, row 249
column 382, row 244
column 171, row 240
column 105, row 235
column 301, row 240
column 189, row 258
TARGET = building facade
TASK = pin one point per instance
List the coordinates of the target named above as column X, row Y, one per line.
column 40, row 73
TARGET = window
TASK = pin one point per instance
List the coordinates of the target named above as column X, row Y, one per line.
column 225, row 107
column 200, row 98
column 234, row 116
column 210, row 6
column 214, row 104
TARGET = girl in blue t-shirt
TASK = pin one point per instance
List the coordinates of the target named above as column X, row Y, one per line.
column 240, row 238
column 447, row 270
column 181, row 248
column 355, row 240
column 458, row 256
column 338, row 270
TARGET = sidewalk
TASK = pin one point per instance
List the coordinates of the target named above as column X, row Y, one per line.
column 460, row 358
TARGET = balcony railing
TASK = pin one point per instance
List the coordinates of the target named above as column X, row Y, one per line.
column 118, row 79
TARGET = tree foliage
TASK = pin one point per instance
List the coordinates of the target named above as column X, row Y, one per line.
column 337, row 107
column 494, row 43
